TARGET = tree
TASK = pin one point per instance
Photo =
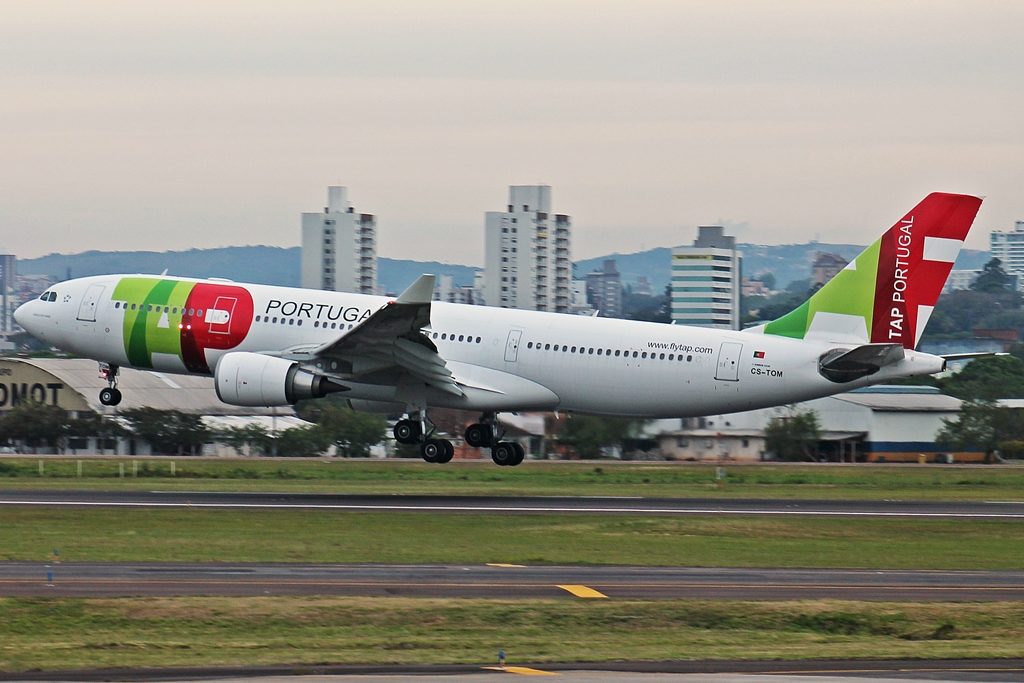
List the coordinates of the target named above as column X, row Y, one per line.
column 589, row 435
column 793, row 437
column 982, row 425
column 353, row 432
column 302, row 441
column 988, row 378
column 993, row 278
column 35, row 424
column 168, row 431
column 767, row 278
column 254, row 439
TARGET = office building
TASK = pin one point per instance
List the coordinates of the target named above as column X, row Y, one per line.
column 527, row 253
column 706, row 281
column 1008, row 247
column 7, row 302
column 339, row 247
column 604, row 290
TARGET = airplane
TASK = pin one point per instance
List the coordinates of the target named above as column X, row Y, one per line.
column 272, row 346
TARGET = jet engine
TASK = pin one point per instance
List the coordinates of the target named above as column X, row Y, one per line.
column 253, row 379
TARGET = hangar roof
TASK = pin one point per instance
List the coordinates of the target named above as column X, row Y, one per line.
column 142, row 388
column 901, row 399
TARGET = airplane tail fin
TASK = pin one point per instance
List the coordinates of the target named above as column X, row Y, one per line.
column 887, row 294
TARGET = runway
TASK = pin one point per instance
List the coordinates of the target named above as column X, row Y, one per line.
column 502, row 581
column 1006, row 510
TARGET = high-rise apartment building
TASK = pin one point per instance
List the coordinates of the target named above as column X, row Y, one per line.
column 527, row 253
column 1008, row 247
column 706, row 281
column 7, row 304
column 604, row 290
column 339, row 247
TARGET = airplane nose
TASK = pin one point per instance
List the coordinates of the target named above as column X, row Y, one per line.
column 20, row 314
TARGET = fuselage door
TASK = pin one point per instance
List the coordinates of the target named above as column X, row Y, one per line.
column 87, row 310
column 729, row 362
column 512, row 346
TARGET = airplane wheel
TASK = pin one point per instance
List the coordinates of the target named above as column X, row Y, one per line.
column 110, row 396
column 432, row 450
column 503, row 454
column 406, row 431
column 478, row 435
column 520, row 454
column 447, row 451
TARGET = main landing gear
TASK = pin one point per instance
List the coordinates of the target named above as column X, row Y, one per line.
column 109, row 396
column 486, row 433
column 411, row 431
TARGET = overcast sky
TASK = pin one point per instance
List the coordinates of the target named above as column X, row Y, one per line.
column 171, row 125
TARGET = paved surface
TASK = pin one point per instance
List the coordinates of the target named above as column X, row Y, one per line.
column 512, row 582
column 814, row 671
column 536, row 504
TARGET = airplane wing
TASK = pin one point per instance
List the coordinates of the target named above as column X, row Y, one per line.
column 844, row 365
column 389, row 343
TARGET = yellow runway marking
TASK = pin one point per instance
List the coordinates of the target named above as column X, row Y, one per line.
column 582, row 591
column 521, row 670
column 502, row 564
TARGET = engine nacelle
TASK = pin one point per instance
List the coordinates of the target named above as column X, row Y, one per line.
column 252, row 379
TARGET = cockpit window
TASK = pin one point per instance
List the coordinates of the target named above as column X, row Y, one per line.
column 48, row 296
column 53, row 296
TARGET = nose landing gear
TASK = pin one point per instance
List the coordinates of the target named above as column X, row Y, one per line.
column 110, row 396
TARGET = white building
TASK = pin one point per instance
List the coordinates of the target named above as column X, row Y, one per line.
column 706, row 281
column 339, row 247
column 1008, row 247
column 527, row 253
column 960, row 279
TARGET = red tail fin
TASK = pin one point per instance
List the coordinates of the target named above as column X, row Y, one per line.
column 914, row 260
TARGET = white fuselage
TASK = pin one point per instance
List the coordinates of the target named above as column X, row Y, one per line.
column 526, row 359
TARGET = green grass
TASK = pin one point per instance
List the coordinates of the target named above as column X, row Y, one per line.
column 905, row 482
column 64, row 633
column 204, row 535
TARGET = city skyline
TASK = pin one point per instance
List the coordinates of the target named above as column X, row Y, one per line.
column 177, row 125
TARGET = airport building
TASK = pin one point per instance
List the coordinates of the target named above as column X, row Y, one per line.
column 526, row 255
column 74, row 385
column 706, row 281
column 873, row 424
column 339, row 247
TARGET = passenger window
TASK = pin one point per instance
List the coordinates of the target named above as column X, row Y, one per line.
column 478, row 340
column 599, row 351
column 529, row 345
column 547, row 347
column 462, row 337
column 643, row 355
column 661, row 357
column 635, row 354
column 617, row 352
column 574, row 349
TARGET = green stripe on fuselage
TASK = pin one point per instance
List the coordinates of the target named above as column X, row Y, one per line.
column 151, row 331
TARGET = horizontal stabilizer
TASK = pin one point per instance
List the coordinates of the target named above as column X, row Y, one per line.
column 971, row 356
column 842, row 365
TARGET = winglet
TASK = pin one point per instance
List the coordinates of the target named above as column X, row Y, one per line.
column 419, row 292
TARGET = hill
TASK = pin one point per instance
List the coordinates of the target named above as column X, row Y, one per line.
column 788, row 262
column 259, row 264
column 280, row 266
